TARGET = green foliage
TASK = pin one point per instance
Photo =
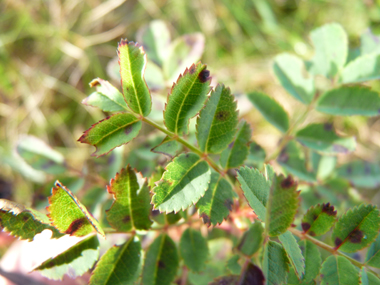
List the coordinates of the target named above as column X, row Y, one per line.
column 293, row 252
column 361, row 173
column 373, row 254
column 275, row 263
column 251, row 240
column 312, row 260
column 319, row 219
column 194, row 250
column 338, row 270
column 168, row 146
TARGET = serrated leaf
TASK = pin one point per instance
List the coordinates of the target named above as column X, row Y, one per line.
column 361, row 173
column 289, row 70
column 194, row 249
column 293, row 252
column 338, row 270
column 161, row 262
column 357, row 228
column 369, row 43
column 368, row 278
column 373, row 254
column 322, row 137
column 217, row 121
column 111, row 132
column 131, row 206
column 293, row 279
column 168, row 146
column 217, row 202
column 75, row 261
column 350, row 100
column 68, row 215
column 235, row 154
column 319, row 219
column 252, row 239
column 275, row 263
column 184, row 182
column 23, row 222
column 363, row 68
column 313, row 259
column 282, row 204
column 106, row 97
column 331, row 50
column 272, row 111
column 186, row 98
column 132, row 61
column 120, row 265
column 40, row 156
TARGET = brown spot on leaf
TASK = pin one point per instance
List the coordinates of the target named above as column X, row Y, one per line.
column 328, row 209
column 231, row 145
column 356, row 236
column 328, row 127
column 305, row 226
column 315, row 217
column 338, row 242
column 206, row 219
column 288, row 182
column 48, row 164
column 222, row 115
column 192, row 69
column 25, row 218
column 204, row 75
column 126, row 219
column 228, row 203
column 311, row 233
column 161, row 264
column 75, row 226
column 128, row 129
column 155, row 213
column 283, row 157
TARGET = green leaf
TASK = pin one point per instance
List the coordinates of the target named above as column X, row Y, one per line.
column 233, row 264
column 186, row 98
column 323, row 165
column 293, row 279
column 282, row 204
column 217, row 202
column 161, row 262
column 194, row 250
column 369, row 43
column 184, row 182
column 23, row 222
column 131, row 206
column 357, row 228
column 217, row 121
column 338, row 270
column 322, row 137
column 289, row 70
column 237, row 151
column 120, row 265
column 272, row 111
column 319, row 219
column 40, row 156
column 292, row 160
column 252, row 239
column 132, row 61
column 275, row 264
column 68, row 214
column 256, row 156
column 256, row 188
column 373, row 254
column 75, row 261
column 168, row 146
column 350, row 100
column 331, row 50
column 363, row 68
column 111, row 132
column 228, row 280
column 293, row 252
column 313, row 259
column 106, row 97
column 368, row 278
column 361, row 174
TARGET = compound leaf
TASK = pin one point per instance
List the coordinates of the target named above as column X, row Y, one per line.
column 357, row 228
column 131, row 206
column 338, row 270
column 293, row 252
column 373, row 254
column 235, row 154
column 120, row 265
column 111, row 132
column 319, row 219
column 185, row 180
column 106, row 97
column 194, row 249
column 252, row 239
column 289, row 70
column 217, row 121
column 161, row 262
column 322, row 137
column 313, row 259
column 275, row 263
column 350, row 100
column 132, row 61
column 217, row 202
column 68, row 215
column 361, row 174
column 186, row 98
column 76, row 260
column 23, row 222
column 168, row 146
column 363, row 68
column 271, row 110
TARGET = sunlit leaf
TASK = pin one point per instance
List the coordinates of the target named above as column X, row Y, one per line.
column 361, row 173
column 272, row 111
column 120, row 265
column 168, row 146
column 369, row 43
column 357, row 228
column 131, row 205
column 184, row 182
column 161, row 262
column 69, row 215
column 111, row 132
column 373, row 254
column 363, row 68
column 293, row 252
column 194, row 250
column 217, row 121
column 186, row 98
column 23, row 222
column 319, row 219
column 338, row 270
column 275, row 264
column 75, row 261
column 313, row 259
column 132, row 61
column 252, row 239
